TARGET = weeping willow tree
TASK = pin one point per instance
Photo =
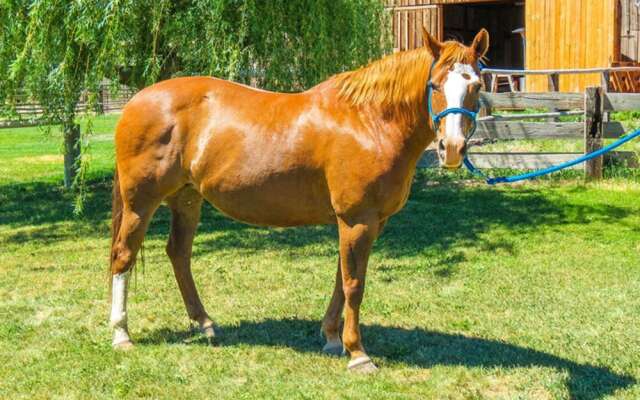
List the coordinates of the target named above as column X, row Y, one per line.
column 57, row 50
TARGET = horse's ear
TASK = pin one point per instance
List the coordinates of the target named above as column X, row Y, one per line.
column 480, row 43
column 432, row 44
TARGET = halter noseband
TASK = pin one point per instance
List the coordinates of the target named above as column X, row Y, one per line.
column 435, row 118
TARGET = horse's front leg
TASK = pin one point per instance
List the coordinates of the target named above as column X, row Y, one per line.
column 356, row 239
column 331, row 320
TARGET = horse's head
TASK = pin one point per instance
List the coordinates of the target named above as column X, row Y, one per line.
column 454, row 91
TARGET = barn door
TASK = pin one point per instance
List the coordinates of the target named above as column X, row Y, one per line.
column 408, row 18
column 627, row 49
column 629, row 31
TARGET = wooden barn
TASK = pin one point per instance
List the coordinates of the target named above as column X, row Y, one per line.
column 534, row 34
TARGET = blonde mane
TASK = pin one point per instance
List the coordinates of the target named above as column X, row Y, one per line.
column 399, row 79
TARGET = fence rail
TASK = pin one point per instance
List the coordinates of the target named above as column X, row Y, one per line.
column 558, row 71
column 522, row 100
column 529, row 161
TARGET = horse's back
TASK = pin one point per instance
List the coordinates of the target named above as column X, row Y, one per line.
column 178, row 113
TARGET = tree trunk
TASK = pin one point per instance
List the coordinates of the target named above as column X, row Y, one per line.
column 71, row 153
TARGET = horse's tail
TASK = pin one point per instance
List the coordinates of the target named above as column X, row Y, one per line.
column 116, row 217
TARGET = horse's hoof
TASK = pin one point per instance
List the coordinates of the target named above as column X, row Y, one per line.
column 333, row 348
column 362, row 365
column 123, row 346
column 209, row 332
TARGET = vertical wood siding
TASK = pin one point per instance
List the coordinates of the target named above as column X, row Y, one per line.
column 569, row 34
column 407, row 22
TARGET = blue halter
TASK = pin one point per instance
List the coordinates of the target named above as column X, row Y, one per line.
column 435, row 118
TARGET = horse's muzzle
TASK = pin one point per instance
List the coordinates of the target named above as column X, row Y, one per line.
column 451, row 152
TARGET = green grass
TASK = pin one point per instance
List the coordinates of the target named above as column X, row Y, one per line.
column 511, row 292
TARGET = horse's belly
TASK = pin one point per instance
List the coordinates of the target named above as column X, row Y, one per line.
column 277, row 200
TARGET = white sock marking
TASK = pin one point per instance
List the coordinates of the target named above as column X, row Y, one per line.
column 119, row 308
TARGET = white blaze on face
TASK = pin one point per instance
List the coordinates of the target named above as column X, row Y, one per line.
column 455, row 89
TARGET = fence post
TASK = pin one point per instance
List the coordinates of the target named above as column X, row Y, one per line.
column 605, row 89
column 553, row 85
column 494, row 83
column 593, row 110
column 101, row 97
column 605, row 80
column 554, row 82
column 485, row 108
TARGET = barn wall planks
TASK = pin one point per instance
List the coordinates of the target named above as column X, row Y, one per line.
column 569, row 34
column 408, row 18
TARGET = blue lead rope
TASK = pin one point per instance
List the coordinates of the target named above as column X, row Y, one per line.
column 534, row 174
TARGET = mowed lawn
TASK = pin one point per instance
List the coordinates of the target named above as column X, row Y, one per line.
column 510, row 292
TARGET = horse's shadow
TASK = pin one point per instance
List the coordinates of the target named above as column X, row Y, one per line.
column 416, row 347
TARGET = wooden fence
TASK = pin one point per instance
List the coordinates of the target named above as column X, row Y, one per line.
column 29, row 112
column 593, row 106
column 619, row 78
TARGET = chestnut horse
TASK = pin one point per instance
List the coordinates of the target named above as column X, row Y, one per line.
column 344, row 152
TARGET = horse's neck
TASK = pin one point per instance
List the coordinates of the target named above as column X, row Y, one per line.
column 414, row 129
column 395, row 89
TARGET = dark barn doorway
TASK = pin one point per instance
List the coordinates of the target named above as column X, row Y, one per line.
column 500, row 18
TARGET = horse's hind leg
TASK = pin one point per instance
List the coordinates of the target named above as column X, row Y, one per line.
column 185, row 214
column 356, row 239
